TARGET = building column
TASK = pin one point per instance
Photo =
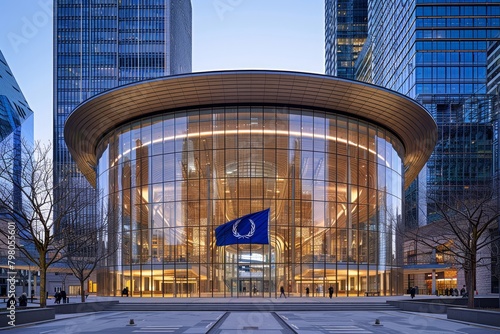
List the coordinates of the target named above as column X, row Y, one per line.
column 433, row 281
column 29, row 283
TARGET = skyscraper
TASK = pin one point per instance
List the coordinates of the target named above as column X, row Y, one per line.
column 494, row 90
column 435, row 52
column 102, row 44
column 16, row 126
column 346, row 27
column 16, row 117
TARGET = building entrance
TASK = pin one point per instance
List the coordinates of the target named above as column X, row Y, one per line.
column 258, row 287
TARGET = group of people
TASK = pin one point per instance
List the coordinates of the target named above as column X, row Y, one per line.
column 447, row 292
column 23, row 300
column 330, row 292
column 60, row 295
column 451, row 292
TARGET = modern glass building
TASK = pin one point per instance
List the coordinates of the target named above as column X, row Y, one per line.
column 16, row 127
column 16, row 117
column 435, row 51
column 175, row 157
column 102, row 44
column 346, row 29
column 493, row 87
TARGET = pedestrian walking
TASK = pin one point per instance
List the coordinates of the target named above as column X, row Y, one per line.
column 412, row 292
column 282, row 292
column 330, row 292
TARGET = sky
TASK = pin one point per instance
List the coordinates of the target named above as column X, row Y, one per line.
column 227, row 34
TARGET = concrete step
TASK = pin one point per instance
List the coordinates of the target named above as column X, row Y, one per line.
column 254, row 307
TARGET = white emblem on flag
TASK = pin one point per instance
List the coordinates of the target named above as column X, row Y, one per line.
column 246, row 236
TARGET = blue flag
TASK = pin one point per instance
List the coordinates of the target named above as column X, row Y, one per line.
column 250, row 229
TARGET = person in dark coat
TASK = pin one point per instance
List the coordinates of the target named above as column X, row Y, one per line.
column 57, row 298
column 307, row 292
column 412, row 292
column 23, row 300
column 63, row 296
column 125, row 292
column 330, row 292
column 282, row 292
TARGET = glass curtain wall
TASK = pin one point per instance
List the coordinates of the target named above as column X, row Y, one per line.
column 333, row 184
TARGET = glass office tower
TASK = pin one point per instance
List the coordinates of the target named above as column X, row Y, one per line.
column 16, row 126
column 435, row 52
column 493, row 73
column 346, row 28
column 16, row 117
column 102, row 44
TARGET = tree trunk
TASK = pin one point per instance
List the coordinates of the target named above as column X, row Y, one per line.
column 43, row 282
column 471, row 281
column 82, row 290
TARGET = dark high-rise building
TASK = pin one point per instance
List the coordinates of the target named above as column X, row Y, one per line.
column 102, row 44
column 346, row 31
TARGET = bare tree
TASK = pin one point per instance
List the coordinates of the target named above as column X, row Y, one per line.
column 93, row 248
column 462, row 232
column 29, row 206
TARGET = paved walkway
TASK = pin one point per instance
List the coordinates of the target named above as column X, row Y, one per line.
column 295, row 320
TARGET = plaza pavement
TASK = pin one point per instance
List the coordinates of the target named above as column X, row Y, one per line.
column 296, row 320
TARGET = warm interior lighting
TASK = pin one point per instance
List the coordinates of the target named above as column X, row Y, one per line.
column 286, row 133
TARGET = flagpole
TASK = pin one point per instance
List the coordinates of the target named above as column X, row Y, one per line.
column 210, row 250
column 291, row 261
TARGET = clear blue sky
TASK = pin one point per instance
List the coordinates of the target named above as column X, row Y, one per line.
column 227, row 34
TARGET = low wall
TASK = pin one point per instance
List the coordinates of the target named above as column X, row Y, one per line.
column 455, row 309
column 81, row 307
column 479, row 302
column 484, row 317
column 412, row 306
column 26, row 316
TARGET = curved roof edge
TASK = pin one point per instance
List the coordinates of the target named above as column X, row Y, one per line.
column 99, row 115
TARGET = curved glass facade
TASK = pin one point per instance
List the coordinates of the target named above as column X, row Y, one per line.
column 333, row 183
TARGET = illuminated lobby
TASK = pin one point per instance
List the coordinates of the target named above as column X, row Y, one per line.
column 173, row 158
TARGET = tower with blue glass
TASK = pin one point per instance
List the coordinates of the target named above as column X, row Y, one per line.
column 16, row 130
column 102, row 44
column 346, row 29
column 16, row 117
column 435, row 52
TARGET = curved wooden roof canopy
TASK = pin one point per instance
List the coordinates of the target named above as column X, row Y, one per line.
column 99, row 115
